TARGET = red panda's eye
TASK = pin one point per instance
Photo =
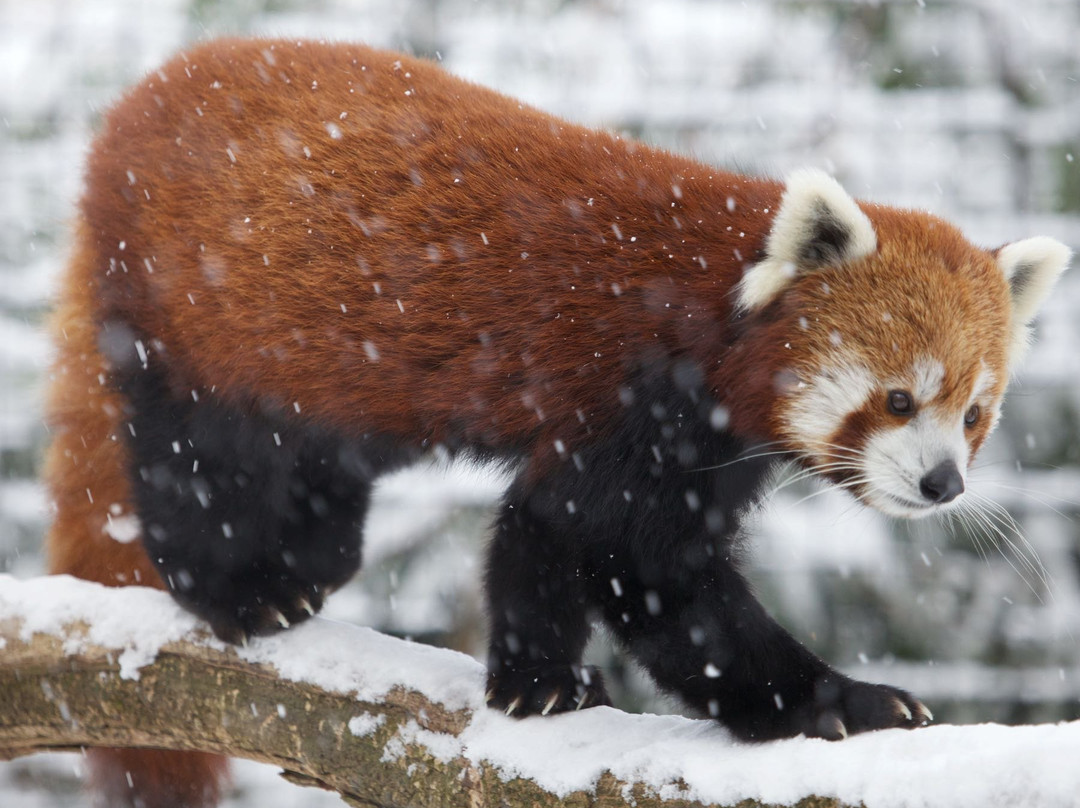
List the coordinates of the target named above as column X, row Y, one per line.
column 901, row 403
column 972, row 415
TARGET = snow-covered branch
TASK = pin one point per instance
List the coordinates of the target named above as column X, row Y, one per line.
column 386, row 722
column 82, row 665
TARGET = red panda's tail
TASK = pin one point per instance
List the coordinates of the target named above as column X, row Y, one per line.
column 94, row 534
column 152, row 778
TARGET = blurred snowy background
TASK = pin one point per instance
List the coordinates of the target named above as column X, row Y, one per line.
column 968, row 108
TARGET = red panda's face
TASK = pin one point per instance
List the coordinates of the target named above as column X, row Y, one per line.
column 898, row 340
column 897, row 370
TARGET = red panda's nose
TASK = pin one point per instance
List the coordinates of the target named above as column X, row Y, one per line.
column 943, row 483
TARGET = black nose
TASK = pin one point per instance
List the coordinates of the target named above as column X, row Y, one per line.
column 943, row 483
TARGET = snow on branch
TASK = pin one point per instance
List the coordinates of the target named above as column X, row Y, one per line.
column 386, row 722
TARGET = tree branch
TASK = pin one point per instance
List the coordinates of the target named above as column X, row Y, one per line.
column 66, row 689
column 388, row 723
column 195, row 697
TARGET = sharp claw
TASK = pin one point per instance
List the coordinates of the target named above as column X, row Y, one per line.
column 513, row 706
column 550, row 703
column 830, row 727
column 905, row 711
column 280, row 618
column 305, row 604
column 489, row 696
column 581, row 702
column 927, row 715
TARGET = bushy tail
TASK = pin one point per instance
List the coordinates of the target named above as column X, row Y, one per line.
column 152, row 778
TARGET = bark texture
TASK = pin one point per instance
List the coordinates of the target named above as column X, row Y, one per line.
column 197, row 697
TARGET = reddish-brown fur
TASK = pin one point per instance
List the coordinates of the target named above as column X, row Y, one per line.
column 301, row 238
column 363, row 239
column 886, row 309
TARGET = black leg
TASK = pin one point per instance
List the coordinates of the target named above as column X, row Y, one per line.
column 250, row 518
column 657, row 527
column 695, row 626
column 539, row 625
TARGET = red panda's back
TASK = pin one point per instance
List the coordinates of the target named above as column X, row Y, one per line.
column 324, row 224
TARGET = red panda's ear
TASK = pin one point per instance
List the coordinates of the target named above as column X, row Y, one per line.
column 817, row 225
column 1030, row 266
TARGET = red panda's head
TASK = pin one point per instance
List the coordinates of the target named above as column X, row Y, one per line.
column 898, row 338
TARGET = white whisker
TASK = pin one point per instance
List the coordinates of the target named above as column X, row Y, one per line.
column 1003, row 523
column 1040, row 497
column 996, row 524
column 753, row 453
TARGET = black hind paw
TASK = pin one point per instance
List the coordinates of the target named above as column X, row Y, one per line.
column 546, row 689
column 254, row 605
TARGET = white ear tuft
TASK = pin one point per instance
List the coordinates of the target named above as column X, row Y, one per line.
column 1030, row 266
column 817, row 225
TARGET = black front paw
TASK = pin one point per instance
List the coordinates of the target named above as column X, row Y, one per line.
column 843, row 707
column 545, row 689
column 256, row 603
column 834, row 708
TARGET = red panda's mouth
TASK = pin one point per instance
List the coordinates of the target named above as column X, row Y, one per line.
column 887, row 503
column 918, row 506
column 852, row 476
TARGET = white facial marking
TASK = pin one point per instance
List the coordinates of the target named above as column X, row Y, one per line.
column 980, row 395
column 929, row 374
column 897, row 459
column 817, row 407
column 984, row 383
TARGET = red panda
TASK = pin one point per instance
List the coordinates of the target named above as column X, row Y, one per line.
column 301, row 265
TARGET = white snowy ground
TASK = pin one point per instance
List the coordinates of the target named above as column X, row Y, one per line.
column 977, row 766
